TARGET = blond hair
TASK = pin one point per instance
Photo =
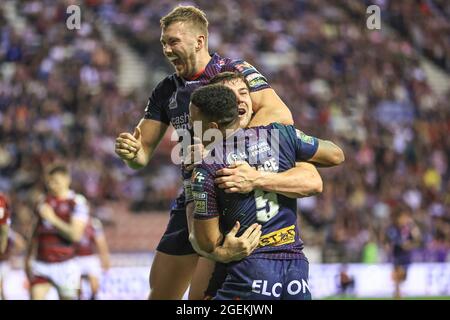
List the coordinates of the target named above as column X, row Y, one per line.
column 189, row 14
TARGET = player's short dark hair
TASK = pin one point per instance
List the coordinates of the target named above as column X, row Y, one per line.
column 57, row 168
column 228, row 76
column 217, row 102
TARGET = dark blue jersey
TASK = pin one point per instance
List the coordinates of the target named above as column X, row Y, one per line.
column 169, row 101
column 273, row 148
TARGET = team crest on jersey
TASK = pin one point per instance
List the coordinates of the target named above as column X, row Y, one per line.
column 173, row 101
column 200, row 202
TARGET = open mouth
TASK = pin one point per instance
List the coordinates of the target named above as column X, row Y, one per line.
column 174, row 60
column 242, row 111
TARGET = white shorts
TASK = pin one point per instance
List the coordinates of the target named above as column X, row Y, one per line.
column 89, row 265
column 64, row 275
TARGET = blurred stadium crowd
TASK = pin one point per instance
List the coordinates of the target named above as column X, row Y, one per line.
column 365, row 90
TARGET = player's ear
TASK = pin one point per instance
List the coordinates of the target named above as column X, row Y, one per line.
column 200, row 42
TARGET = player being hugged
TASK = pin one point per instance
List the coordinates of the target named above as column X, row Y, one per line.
column 184, row 40
column 62, row 218
column 277, row 268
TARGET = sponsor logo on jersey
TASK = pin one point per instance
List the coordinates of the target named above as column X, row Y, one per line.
column 233, row 157
column 278, row 237
column 253, row 76
column 255, row 83
column 200, row 202
column 198, row 177
column 305, row 138
column 293, row 288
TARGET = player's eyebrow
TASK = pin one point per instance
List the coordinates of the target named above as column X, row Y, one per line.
column 171, row 39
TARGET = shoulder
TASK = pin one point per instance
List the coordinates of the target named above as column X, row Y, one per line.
column 79, row 199
column 276, row 126
column 166, row 86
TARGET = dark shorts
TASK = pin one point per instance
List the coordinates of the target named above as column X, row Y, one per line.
column 266, row 279
column 217, row 279
column 175, row 240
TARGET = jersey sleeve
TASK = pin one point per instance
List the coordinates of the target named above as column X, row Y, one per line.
column 304, row 146
column 81, row 209
column 204, row 194
column 254, row 78
column 155, row 109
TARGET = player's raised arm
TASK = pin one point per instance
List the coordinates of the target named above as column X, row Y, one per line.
column 137, row 149
column 328, row 154
column 268, row 108
column 301, row 181
column 267, row 105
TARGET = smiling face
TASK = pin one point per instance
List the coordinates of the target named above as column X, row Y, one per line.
column 181, row 46
column 244, row 100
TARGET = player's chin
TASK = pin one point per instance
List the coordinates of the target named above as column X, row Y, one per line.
column 244, row 121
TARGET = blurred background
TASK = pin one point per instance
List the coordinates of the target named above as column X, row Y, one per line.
column 382, row 95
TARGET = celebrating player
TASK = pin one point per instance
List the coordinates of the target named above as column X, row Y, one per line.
column 278, row 263
column 88, row 261
column 62, row 218
column 184, row 39
column 241, row 177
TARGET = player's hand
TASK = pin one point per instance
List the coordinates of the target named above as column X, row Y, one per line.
column 128, row 145
column 243, row 246
column 238, row 177
column 46, row 212
column 195, row 153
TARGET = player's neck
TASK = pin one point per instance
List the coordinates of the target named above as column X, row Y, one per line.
column 202, row 61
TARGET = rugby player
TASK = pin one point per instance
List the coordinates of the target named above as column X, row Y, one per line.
column 242, row 178
column 277, row 269
column 62, row 218
column 184, row 38
column 403, row 236
column 92, row 255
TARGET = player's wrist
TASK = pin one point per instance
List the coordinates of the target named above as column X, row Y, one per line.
column 261, row 180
